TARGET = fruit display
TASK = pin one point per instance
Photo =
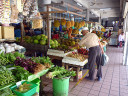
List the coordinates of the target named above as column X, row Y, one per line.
column 68, row 24
column 60, row 73
column 54, row 44
column 56, row 23
column 82, row 51
column 63, row 22
column 29, row 65
column 78, row 56
column 66, row 43
column 40, row 39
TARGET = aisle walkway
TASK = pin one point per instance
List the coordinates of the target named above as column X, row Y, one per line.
column 113, row 83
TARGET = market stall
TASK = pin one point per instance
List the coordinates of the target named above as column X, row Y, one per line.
column 24, row 74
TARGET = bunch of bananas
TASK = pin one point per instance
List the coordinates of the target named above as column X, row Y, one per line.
column 56, row 23
column 68, row 24
column 76, row 24
column 63, row 22
column 72, row 23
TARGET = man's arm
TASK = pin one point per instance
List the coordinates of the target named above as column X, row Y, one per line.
column 101, row 47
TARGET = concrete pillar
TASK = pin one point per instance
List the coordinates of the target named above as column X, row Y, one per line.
column 99, row 20
column 87, row 14
column 44, row 9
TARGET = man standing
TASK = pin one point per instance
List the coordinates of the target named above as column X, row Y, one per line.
column 91, row 41
column 121, row 39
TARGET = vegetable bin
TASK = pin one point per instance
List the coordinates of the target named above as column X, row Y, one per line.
column 28, row 93
column 37, row 81
column 60, row 86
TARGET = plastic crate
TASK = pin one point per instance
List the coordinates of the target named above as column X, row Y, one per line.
column 37, row 81
column 30, row 92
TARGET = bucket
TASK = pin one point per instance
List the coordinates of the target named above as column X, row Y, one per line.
column 60, row 86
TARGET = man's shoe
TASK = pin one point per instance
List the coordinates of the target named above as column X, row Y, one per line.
column 99, row 79
column 88, row 78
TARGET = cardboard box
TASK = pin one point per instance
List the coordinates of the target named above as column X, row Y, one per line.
column 7, row 32
column 0, row 33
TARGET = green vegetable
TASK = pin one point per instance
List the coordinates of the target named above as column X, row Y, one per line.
column 42, row 60
column 6, row 92
column 6, row 76
column 59, row 72
column 20, row 73
column 9, row 58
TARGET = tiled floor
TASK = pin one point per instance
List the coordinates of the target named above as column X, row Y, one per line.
column 113, row 83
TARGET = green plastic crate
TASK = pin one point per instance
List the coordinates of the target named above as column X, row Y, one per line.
column 28, row 93
column 37, row 81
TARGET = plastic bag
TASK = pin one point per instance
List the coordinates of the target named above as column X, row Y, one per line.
column 104, row 59
column 37, row 23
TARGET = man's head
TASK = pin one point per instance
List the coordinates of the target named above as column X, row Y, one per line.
column 122, row 33
column 84, row 31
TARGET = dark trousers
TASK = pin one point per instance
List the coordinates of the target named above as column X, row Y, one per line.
column 94, row 57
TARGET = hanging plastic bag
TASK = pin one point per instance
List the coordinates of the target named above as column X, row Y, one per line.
column 104, row 59
column 37, row 23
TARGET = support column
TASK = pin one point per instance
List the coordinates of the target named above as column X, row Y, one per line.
column 44, row 9
column 87, row 14
column 100, row 20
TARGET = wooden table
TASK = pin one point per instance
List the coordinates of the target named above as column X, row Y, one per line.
column 55, row 57
column 64, row 64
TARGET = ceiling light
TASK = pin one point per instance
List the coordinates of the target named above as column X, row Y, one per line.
column 106, row 9
column 79, row 4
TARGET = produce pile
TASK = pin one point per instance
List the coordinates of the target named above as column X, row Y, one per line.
column 66, row 43
column 43, row 60
column 7, row 48
column 60, row 73
column 6, row 92
column 39, row 39
column 9, row 58
column 20, row 73
column 82, row 51
column 29, row 65
column 6, row 76
column 24, row 87
column 78, row 56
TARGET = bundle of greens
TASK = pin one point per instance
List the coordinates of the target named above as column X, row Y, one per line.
column 20, row 73
column 3, row 59
column 6, row 76
column 6, row 92
column 43, row 60
column 59, row 72
column 9, row 58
